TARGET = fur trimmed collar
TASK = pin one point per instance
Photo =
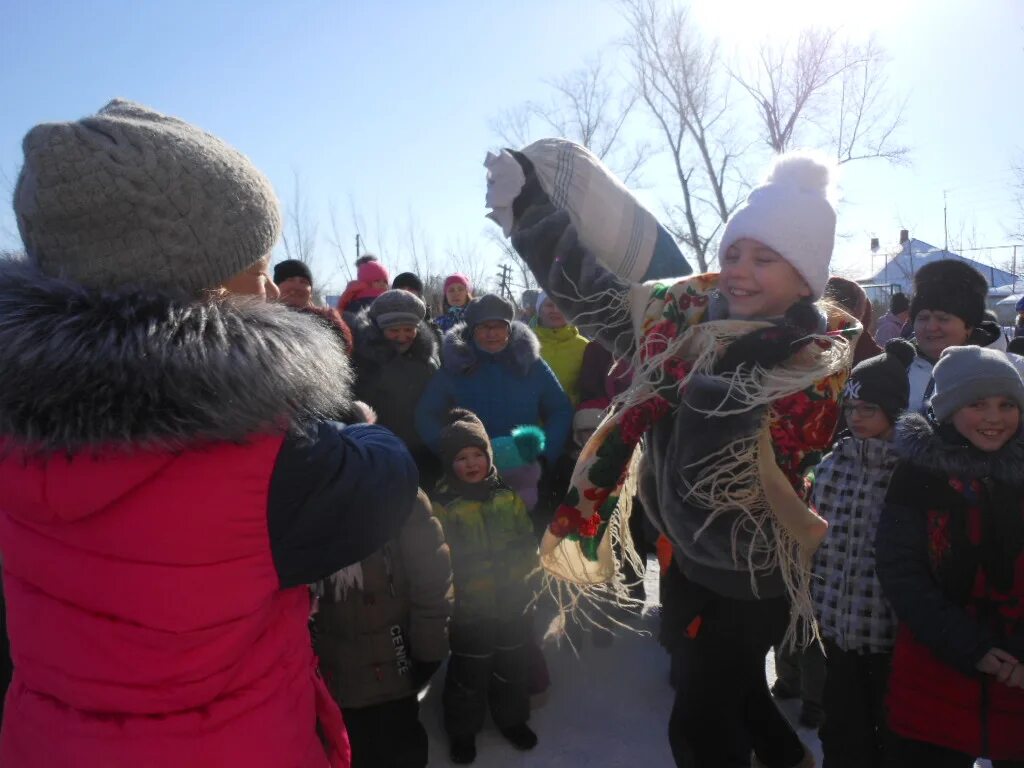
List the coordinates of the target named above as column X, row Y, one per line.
column 372, row 345
column 83, row 369
column 942, row 449
column 461, row 355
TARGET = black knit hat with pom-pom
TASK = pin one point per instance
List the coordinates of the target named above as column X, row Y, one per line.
column 883, row 379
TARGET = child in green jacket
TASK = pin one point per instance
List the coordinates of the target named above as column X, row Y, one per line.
column 493, row 553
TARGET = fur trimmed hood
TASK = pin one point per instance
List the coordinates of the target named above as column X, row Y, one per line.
column 371, row 344
column 82, row 369
column 461, row 355
column 940, row 448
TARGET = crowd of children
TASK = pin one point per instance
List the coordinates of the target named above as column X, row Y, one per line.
column 853, row 508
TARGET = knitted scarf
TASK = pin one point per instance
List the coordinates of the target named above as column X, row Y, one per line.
column 759, row 476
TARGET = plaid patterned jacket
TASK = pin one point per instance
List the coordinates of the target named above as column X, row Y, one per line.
column 849, row 492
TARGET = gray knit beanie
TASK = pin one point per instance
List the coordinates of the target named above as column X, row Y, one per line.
column 488, row 307
column 965, row 375
column 397, row 307
column 132, row 197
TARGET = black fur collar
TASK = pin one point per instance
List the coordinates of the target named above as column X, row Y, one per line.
column 82, row 369
column 941, row 449
column 460, row 354
column 372, row 345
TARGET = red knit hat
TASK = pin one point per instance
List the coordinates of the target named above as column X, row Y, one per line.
column 373, row 270
column 458, row 277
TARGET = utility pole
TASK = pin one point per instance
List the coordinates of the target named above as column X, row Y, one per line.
column 504, row 278
column 358, row 252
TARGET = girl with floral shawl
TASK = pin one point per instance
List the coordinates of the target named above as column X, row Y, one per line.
column 735, row 394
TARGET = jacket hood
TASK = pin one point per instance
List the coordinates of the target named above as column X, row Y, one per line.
column 461, row 355
column 940, row 448
column 371, row 344
column 84, row 369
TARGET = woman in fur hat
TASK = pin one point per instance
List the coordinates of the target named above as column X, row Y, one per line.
column 171, row 481
column 948, row 305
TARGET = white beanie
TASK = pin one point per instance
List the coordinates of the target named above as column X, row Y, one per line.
column 792, row 214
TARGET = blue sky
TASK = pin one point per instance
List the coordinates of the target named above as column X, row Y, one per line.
column 386, row 107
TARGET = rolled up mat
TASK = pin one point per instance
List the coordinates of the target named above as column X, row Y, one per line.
column 622, row 234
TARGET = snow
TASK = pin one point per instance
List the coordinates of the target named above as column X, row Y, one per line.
column 606, row 708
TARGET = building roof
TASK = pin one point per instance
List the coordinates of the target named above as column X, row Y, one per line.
column 900, row 269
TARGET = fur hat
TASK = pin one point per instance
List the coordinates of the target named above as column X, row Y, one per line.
column 490, row 306
column 965, row 375
column 290, row 268
column 953, row 286
column 791, row 212
column 129, row 196
column 463, row 430
column 883, row 379
column 397, row 307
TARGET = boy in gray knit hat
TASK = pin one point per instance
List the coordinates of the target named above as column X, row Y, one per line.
column 966, row 375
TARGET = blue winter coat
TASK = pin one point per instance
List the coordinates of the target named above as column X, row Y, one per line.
column 506, row 390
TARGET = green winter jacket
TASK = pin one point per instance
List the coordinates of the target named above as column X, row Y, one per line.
column 377, row 617
column 493, row 550
column 562, row 349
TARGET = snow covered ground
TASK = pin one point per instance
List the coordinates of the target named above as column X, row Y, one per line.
column 607, row 708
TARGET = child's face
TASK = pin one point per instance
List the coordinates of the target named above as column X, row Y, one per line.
column 757, row 282
column 296, row 292
column 470, row 465
column 457, row 295
column 551, row 315
column 401, row 336
column 379, row 285
column 866, row 420
column 935, row 330
column 988, row 423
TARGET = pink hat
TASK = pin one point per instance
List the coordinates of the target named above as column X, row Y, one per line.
column 458, row 277
column 372, row 270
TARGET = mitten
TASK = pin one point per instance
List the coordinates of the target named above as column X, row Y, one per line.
column 768, row 347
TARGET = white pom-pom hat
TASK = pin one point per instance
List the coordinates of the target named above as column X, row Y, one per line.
column 793, row 214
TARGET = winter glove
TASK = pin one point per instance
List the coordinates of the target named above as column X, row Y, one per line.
column 768, row 347
column 422, row 671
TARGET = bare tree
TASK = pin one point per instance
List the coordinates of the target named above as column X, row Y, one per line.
column 834, row 89
column 586, row 107
column 682, row 80
column 1016, row 229
column 300, row 228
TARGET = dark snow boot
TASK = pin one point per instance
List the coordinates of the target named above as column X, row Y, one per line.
column 520, row 736
column 463, row 750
